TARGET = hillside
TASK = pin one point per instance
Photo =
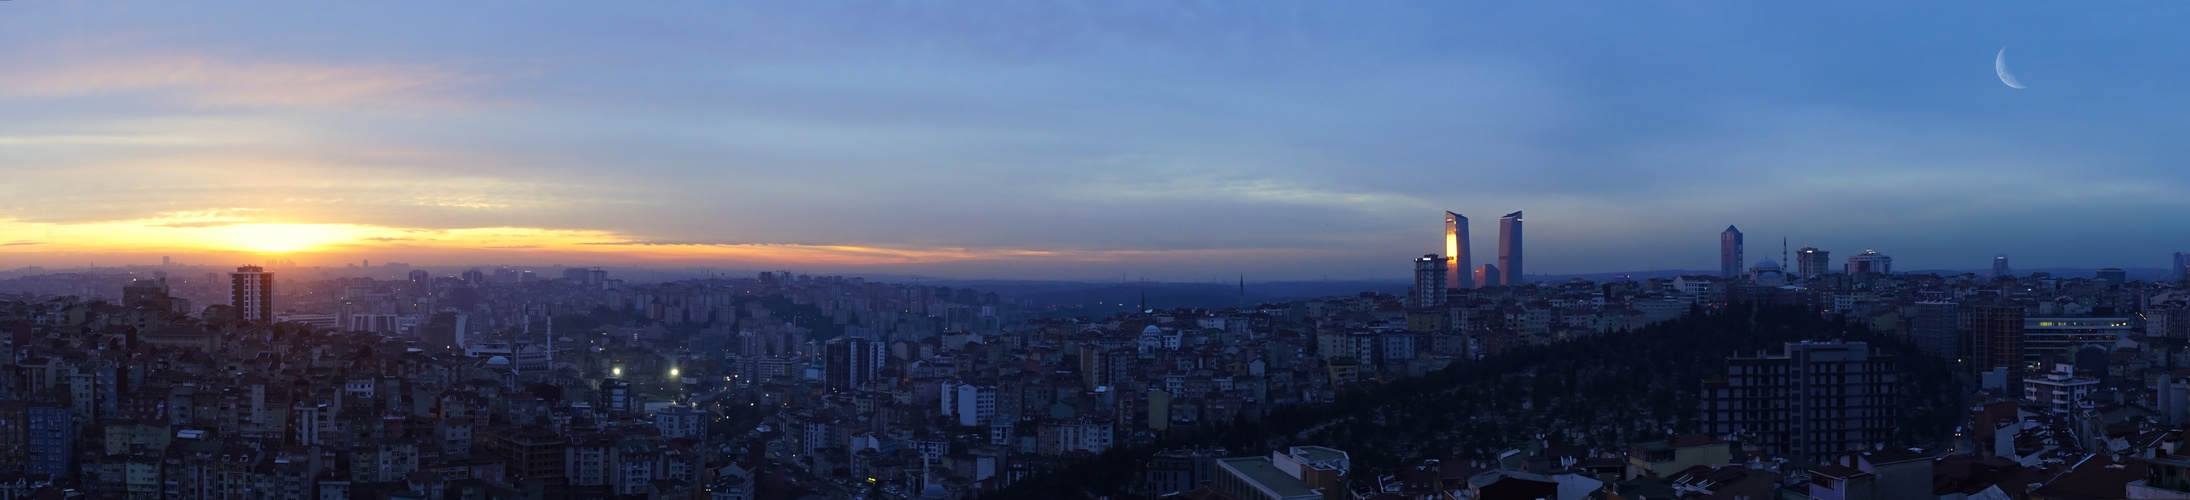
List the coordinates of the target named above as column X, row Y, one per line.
column 1603, row 392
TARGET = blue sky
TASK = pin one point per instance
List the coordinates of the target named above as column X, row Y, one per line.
column 1083, row 140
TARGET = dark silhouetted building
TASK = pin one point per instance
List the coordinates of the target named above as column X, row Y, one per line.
column 1995, row 333
column 1811, row 262
column 1936, row 328
column 1509, row 250
column 2113, row 276
column 2000, row 267
column 1814, row 400
column 852, row 363
column 444, row 329
column 251, row 291
column 1429, row 282
column 1730, row 253
column 1488, row 274
column 1870, row 262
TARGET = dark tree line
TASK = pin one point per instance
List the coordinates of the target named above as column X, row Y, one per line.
column 1603, row 391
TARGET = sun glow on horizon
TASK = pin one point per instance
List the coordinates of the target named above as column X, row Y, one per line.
column 284, row 238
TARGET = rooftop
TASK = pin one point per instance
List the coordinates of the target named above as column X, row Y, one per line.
column 1262, row 472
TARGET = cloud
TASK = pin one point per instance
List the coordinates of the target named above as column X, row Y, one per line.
column 210, row 81
column 21, row 243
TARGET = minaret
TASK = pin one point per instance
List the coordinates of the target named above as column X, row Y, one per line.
column 551, row 340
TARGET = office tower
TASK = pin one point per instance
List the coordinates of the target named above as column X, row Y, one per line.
column 1814, row 400
column 1509, row 250
column 475, row 277
column 251, row 291
column 2182, row 267
column 1457, row 260
column 1995, row 333
column 2000, row 266
column 2056, row 340
column 1730, row 253
column 1870, row 262
column 165, row 262
column 1429, row 282
column 852, row 363
column 1936, row 328
column 2113, row 276
column 1810, row 262
column 1488, row 275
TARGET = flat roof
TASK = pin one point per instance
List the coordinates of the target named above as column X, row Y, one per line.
column 1262, row 472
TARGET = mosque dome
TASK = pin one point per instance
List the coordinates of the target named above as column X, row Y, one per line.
column 498, row 361
column 1151, row 329
column 1767, row 264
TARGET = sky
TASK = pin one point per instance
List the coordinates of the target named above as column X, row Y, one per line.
column 1082, row 140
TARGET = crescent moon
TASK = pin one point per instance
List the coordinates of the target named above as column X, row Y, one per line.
column 1999, row 65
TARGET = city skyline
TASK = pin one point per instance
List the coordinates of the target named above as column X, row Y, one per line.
column 1043, row 143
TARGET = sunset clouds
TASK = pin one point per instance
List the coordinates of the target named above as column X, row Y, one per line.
column 1052, row 140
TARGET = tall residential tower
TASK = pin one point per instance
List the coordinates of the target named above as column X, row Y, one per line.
column 1457, row 261
column 1509, row 250
column 1429, row 281
column 251, row 291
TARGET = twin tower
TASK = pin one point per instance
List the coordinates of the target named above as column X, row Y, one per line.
column 1458, row 258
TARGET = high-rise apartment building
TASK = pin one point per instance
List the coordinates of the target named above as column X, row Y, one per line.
column 1429, row 282
column 2000, row 267
column 851, row 363
column 1870, row 262
column 1995, row 333
column 444, row 330
column 1936, row 328
column 1509, row 250
column 1730, row 253
column 251, row 291
column 1457, row 260
column 1811, row 262
column 1814, row 400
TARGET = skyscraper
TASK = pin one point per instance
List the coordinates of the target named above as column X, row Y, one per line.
column 1457, row 260
column 1810, row 262
column 2000, row 267
column 1429, row 282
column 1509, row 250
column 251, row 291
column 1488, row 274
column 1730, row 253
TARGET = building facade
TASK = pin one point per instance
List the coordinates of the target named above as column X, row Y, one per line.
column 1509, row 250
column 1812, row 400
column 1730, row 253
column 251, row 291
column 1457, row 260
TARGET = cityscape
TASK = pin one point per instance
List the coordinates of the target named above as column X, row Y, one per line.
column 1078, row 251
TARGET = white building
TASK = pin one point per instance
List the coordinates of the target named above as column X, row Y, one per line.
column 681, row 422
column 974, row 405
column 2059, row 391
